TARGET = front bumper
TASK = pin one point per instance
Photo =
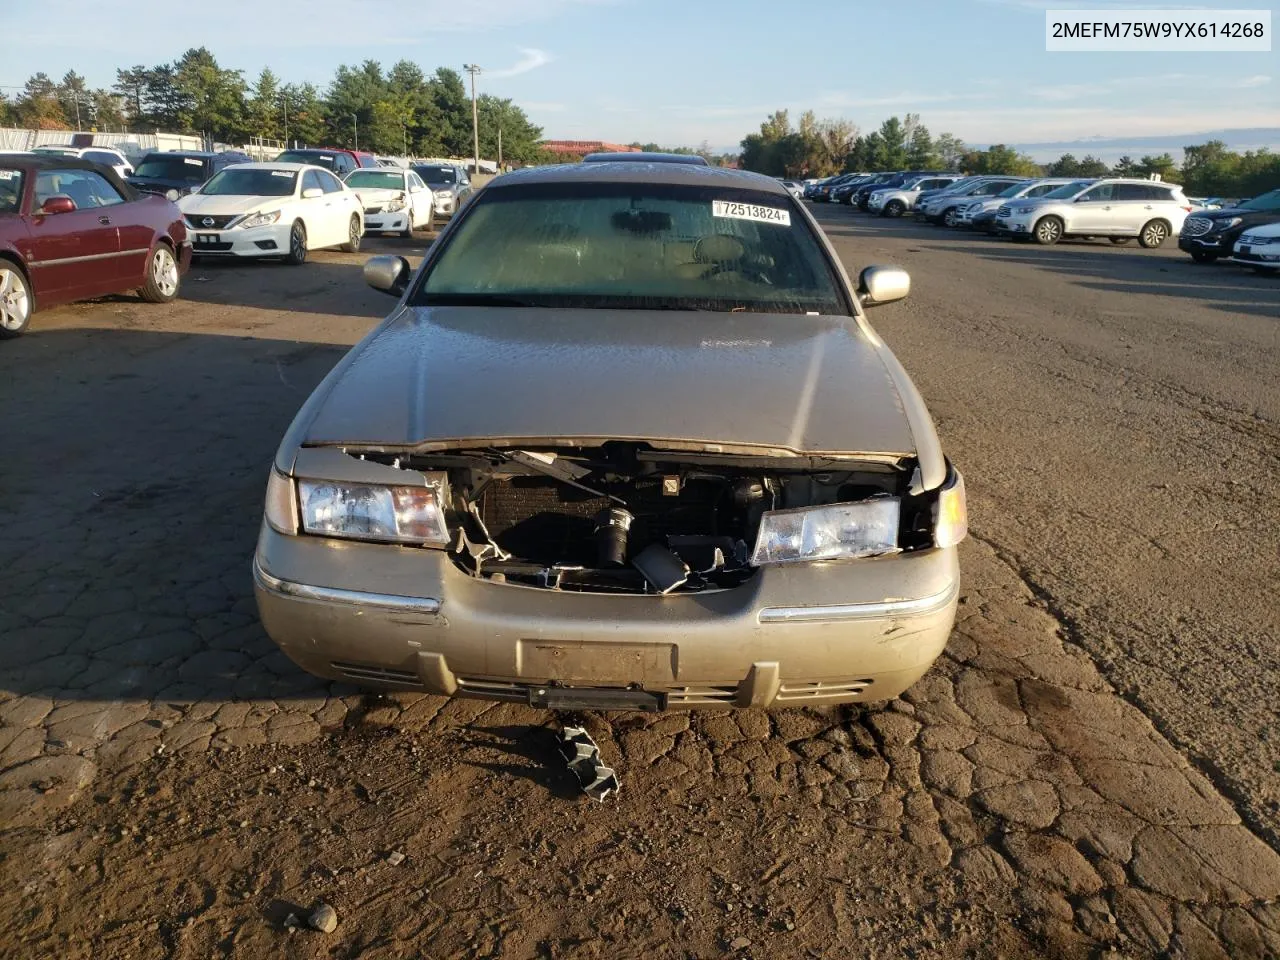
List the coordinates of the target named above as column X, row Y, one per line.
column 269, row 241
column 1269, row 260
column 792, row 635
column 1219, row 244
column 385, row 222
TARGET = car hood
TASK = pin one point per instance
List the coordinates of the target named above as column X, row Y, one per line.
column 1268, row 230
column 376, row 194
column 431, row 375
column 197, row 203
column 1257, row 216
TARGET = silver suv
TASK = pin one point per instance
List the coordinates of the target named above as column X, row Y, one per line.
column 1114, row 208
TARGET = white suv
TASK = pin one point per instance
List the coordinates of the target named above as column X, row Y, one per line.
column 896, row 201
column 1117, row 209
column 980, row 211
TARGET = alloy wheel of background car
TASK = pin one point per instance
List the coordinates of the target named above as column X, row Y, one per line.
column 15, row 302
column 162, row 276
column 1153, row 234
column 297, row 244
column 949, row 217
column 894, row 208
column 353, row 234
column 1048, row 231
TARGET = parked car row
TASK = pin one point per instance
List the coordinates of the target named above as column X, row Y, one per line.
column 1049, row 209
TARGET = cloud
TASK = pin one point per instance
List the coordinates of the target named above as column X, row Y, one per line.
column 1261, row 80
column 908, row 100
column 1062, row 92
column 532, row 60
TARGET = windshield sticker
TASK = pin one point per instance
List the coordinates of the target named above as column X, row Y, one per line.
column 8, row 174
column 325, row 156
column 193, row 163
column 282, row 173
column 749, row 211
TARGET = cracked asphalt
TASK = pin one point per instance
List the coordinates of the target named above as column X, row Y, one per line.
column 1090, row 770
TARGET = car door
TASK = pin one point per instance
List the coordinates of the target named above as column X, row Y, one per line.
column 1094, row 210
column 421, row 200
column 316, row 211
column 135, row 220
column 73, row 254
column 340, row 204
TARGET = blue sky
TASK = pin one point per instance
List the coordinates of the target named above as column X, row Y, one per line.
column 684, row 71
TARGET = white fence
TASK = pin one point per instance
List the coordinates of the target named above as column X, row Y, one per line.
column 130, row 144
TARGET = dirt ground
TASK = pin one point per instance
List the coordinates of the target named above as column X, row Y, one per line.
column 1091, row 769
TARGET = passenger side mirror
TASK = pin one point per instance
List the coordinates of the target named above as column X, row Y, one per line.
column 388, row 274
column 311, row 193
column 59, row 203
column 877, row 285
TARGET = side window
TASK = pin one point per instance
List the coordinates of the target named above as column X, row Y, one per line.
column 1042, row 189
column 999, row 186
column 86, row 188
column 10, row 191
column 1099, row 194
column 1162, row 194
column 311, row 181
column 415, row 182
column 100, row 156
column 104, row 194
column 328, row 182
column 343, row 164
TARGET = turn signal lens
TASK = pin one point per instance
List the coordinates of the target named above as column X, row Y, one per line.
column 951, row 523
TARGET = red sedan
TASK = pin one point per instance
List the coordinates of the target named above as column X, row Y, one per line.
column 70, row 230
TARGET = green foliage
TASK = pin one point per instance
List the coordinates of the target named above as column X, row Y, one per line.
column 1210, row 169
column 1068, row 166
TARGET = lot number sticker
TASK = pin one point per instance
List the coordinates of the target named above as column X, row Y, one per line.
column 8, row 174
column 749, row 211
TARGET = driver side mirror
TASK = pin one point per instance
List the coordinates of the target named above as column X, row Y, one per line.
column 879, row 285
column 388, row 274
column 59, row 203
column 311, row 193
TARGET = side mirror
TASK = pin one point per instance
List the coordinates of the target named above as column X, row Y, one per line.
column 388, row 274
column 877, row 285
column 311, row 193
column 59, row 203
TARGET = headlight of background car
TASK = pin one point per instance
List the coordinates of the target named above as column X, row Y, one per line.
column 399, row 203
column 1228, row 224
column 260, row 219
column 838, row 531
column 366, row 511
column 444, row 194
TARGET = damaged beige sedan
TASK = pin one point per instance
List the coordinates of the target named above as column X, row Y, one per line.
column 626, row 442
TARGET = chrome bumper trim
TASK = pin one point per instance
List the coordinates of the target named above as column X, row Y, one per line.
column 877, row 610
column 355, row 598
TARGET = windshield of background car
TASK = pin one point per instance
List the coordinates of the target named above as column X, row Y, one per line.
column 1012, row 190
column 10, row 191
column 186, row 169
column 381, row 179
column 633, row 246
column 1268, row 201
column 437, row 174
column 1067, row 190
column 233, row 182
column 317, row 158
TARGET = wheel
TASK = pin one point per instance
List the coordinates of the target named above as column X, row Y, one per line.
column 163, row 278
column 949, row 217
column 297, row 245
column 16, row 302
column 407, row 232
column 354, row 232
column 1047, row 230
column 1201, row 257
column 1154, row 234
column 894, row 208
column 1120, row 241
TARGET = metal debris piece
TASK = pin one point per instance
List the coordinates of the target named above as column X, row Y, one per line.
column 582, row 756
column 395, row 858
column 661, row 568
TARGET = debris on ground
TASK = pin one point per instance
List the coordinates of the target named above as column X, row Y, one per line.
column 323, row 918
column 583, row 759
column 395, row 858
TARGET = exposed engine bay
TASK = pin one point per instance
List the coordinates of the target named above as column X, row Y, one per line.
column 627, row 518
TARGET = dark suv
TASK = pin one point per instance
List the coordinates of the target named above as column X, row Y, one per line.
column 181, row 171
column 1210, row 234
column 339, row 160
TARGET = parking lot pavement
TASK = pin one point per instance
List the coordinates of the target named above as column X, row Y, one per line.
column 1070, row 778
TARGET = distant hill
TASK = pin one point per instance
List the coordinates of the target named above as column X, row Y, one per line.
column 1110, row 149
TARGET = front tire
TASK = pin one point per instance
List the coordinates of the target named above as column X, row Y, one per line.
column 1154, row 234
column 16, row 301
column 949, row 217
column 354, row 233
column 894, row 208
column 297, row 245
column 1047, row 231
column 163, row 277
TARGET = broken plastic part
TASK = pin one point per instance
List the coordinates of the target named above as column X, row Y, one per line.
column 582, row 757
column 663, row 569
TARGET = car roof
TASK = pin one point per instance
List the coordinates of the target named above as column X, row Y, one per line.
column 676, row 174
column 280, row 165
column 40, row 161
column 637, row 156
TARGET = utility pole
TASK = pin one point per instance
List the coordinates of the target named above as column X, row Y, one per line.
column 499, row 149
column 472, row 69
column 355, row 128
column 285, row 102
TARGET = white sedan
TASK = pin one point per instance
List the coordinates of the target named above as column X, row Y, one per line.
column 1259, row 247
column 272, row 210
column 395, row 201
column 103, row 155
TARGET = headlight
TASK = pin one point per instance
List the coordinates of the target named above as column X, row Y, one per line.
column 399, row 203
column 1021, row 210
column 365, row 511
column 444, row 194
column 1228, row 223
column 839, row 531
column 260, row 219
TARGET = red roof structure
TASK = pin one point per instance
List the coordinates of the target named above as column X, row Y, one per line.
column 582, row 147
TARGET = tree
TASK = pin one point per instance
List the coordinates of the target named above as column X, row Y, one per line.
column 893, row 137
column 131, row 84
column 1065, row 166
column 452, row 137
column 76, row 101
column 1164, row 165
column 263, row 116
column 108, row 112
column 921, row 154
column 520, row 138
column 303, row 117
column 949, row 150
column 1091, row 166
column 38, row 105
column 1000, row 159
column 1125, row 167
column 164, row 104
column 212, row 98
